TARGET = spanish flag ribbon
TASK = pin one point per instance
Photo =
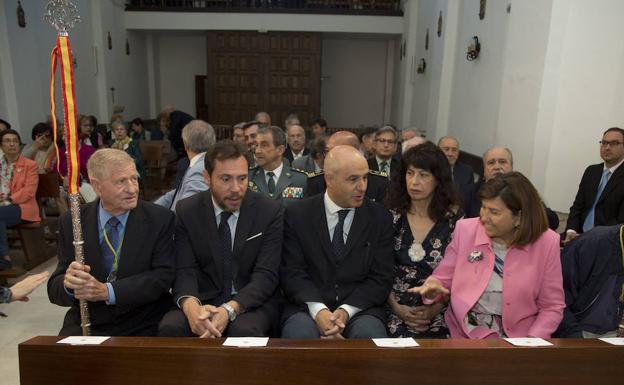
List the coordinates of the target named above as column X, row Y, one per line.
column 62, row 53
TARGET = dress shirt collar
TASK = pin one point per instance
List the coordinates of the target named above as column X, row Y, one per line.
column 277, row 171
column 218, row 210
column 332, row 208
column 104, row 216
column 612, row 169
column 195, row 159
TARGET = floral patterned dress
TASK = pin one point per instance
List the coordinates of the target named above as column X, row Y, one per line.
column 413, row 263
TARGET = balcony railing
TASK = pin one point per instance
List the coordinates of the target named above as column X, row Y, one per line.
column 342, row 7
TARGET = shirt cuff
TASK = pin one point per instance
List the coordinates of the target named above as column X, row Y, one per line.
column 351, row 310
column 111, row 294
column 179, row 301
column 69, row 293
column 315, row 307
column 570, row 231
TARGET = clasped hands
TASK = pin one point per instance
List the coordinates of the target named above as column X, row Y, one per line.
column 83, row 284
column 206, row 321
column 331, row 325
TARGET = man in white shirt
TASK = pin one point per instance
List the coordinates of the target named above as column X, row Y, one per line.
column 337, row 265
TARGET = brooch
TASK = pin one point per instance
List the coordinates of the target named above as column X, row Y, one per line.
column 416, row 252
column 475, row 256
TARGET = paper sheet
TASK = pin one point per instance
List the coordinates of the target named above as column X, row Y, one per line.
column 246, row 342
column 395, row 342
column 528, row 341
column 613, row 340
column 83, row 340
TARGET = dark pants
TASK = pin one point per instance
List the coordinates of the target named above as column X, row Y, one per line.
column 255, row 323
column 301, row 326
column 9, row 216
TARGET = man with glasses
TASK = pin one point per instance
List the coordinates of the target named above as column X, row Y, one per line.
column 600, row 197
column 385, row 148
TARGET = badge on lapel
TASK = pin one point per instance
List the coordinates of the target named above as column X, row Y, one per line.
column 293, row 192
column 252, row 186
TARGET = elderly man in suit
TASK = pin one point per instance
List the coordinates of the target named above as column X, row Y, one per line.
column 272, row 177
column 600, row 197
column 229, row 246
column 337, row 265
column 377, row 182
column 462, row 174
column 296, row 143
column 129, row 256
column 385, row 149
column 197, row 137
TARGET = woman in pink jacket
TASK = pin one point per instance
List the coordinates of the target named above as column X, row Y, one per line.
column 501, row 271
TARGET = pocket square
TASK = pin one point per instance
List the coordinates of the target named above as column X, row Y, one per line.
column 253, row 236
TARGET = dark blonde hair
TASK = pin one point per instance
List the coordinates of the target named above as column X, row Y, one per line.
column 519, row 195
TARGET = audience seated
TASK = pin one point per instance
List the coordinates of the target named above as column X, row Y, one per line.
column 511, row 236
column 84, row 153
column 127, row 287
column 296, row 143
column 272, row 177
column 228, row 242
column 593, row 275
column 197, row 136
column 89, row 133
column 600, row 197
column 425, row 205
column 385, row 149
column 18, row 186
column 41, row 149
column 377, row 183
column 413, row 142
column 125, row 143
column 462, row 174
column 238, row 134
column 250, row 130
column 496, row 161
column 263, row 118
column 138, row 131
column 319, row 128
column 291, row 119
column 367, row 137
column 312, row 163
column 336, row 271
column 161, row 131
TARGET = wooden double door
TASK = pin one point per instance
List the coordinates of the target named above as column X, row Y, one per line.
column 248, row 72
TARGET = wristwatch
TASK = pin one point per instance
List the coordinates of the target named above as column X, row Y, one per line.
column 230, row 310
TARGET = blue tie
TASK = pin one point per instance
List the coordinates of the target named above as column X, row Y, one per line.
column 338, row 243
column 589, row 219
column 112, row 235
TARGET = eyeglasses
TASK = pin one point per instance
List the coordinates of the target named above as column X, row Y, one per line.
column 385, row 141
column 613, row 143
column 10, row 141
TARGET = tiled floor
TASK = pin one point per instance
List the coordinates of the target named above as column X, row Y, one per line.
column 37, row 317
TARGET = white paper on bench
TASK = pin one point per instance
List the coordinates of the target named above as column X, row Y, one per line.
column 613, row 340
column 246, row 342
column 395, row 342
column 83, row 340
column 528, row 341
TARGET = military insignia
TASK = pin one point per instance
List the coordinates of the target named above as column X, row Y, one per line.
column 252, row 186
column 293, row 192
column 378, row 173
column 313, row 174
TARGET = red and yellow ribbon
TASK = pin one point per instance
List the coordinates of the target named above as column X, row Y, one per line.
column 62, row 53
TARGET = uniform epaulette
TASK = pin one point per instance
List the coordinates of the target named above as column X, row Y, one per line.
column 314, row 174
column 378, row 173
column 299, row 171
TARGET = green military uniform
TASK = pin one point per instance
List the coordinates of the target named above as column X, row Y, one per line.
column 290, row 187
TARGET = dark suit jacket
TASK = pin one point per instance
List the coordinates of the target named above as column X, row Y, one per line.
column 394, row 164
column 473, row 207
column 146, row 271
column 610, row 208
column 310, row 273
column 288, row 154
column 375, row 190
column 463, row 176
column 257, row 250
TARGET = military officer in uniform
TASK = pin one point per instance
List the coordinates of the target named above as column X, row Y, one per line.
column 272, row 176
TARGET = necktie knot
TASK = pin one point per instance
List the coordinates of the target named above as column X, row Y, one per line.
column 342, row 214
column 112, row 223
column 225, row 215
column 271, row 182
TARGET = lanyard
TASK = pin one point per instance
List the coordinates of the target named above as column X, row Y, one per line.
column 113, row 274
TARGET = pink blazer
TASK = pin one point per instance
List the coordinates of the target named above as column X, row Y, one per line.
column 24, row 188
column 533, row 299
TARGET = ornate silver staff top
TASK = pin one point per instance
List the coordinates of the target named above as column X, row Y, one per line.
column 62, row 14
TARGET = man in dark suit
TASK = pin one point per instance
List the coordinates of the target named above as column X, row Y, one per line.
column 600, row 197
column 385, row 148
column 229, row 246
column 337, row 266
column 377, row 181
column 129, row 257
column 296, row 143
column 463, row 175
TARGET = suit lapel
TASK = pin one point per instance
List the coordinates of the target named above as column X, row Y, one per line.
column 134, row 231
column 318, row 213
column 260, row 181
column 359, row 226
column 92, row 248
column 211, row 241
column 614, row 180
column 282, row 182
column 243, row 225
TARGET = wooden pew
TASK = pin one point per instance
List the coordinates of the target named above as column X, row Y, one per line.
column 189, row 361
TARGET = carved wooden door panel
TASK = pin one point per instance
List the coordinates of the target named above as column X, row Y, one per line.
column 277, row 72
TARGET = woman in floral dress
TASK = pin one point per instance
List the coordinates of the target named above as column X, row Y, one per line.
column 425, row 205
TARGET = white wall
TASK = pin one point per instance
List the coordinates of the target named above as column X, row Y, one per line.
column 354, row 83
column 181, row 56
column 583, row 91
